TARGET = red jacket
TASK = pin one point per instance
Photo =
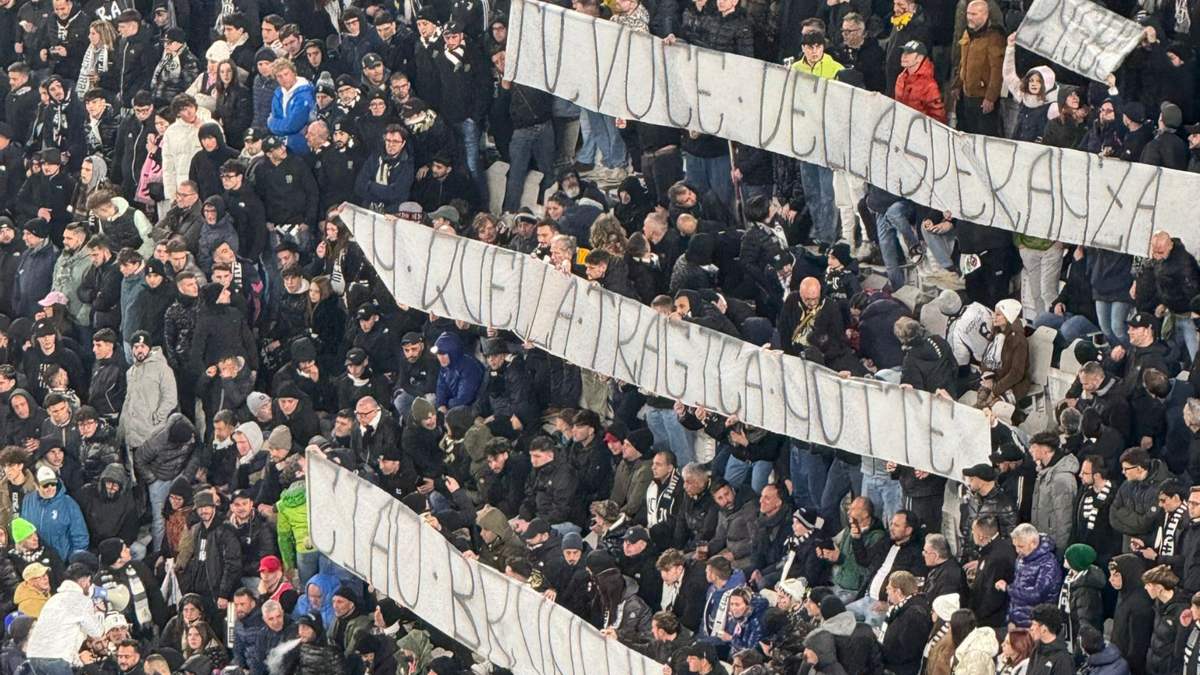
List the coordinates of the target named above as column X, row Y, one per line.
column 920, row 91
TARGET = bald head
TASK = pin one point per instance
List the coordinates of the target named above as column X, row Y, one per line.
column 1161, row 245
column 810, row 291
column 977, row 14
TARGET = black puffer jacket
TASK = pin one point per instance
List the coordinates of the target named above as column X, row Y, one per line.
column 165, row 454
column 1161, row 659
column 101, row 288
column 107, row 389
column 732, row 34
column 550, row 493
column 998, row 504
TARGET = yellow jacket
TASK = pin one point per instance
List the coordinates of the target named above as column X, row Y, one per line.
column 29, row 599
column 826, row 67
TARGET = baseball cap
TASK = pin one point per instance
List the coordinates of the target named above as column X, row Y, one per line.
column 46, row 475
column 34, row 570
column 411, row 338
column 985, row 472
column 1142, row 320
column 371, row 60
column 269, row 563
column 914, row 47
column 356, row 356
column 537, row 526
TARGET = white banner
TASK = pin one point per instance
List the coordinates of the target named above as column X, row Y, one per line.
column 375, row 536
column 621, row 338
column 1064, row 195
column 1080, row 35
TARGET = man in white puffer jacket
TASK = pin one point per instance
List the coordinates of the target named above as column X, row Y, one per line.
column 68, row 619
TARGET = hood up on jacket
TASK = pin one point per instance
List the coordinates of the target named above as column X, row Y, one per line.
column 114, row 473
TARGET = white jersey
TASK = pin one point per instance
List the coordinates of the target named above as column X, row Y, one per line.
column 970, row 333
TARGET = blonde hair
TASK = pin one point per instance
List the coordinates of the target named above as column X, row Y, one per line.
column 104, row 29
column 282, row 64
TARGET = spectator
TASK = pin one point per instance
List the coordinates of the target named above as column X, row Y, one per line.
column 1037, row 576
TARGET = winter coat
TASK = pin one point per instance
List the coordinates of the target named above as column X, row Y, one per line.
column 162, row 459
column 1162, row 659
column 929, row 365
column 58, row 520
column 1013, row 373
column 150, row 397
column 1031, row 115
column 115, row 516
column 179, row 143
column 129, row 228
column 746, row 632
column 173, row 74
column 458, row 382
column 1110, row 274
column 980, row 63
column 908, row 627
column 1051, row 659
column 235, row 112
column 67, row 619
column 977, row 653
column 288, row 191
column 551, row 493
column 291, row 528
column 69, row 270
column 1167, row 150
column 1054, row 498
column 212, row 236
column 1134, row 511
column 384, row 182
column 919, row 91
column 290, row 119
column 136, row 62
column 35, row 276
column 1107, row 661
column 1037, row 579
column 736, row 530
column 1172, row 282
column 221, row 330
column 215, row 570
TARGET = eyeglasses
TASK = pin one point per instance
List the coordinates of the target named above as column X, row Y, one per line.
column 366, row 413
column 48, row 485
column 229, row 175
column 1126, row 469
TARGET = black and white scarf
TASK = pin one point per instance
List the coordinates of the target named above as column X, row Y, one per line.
column 1189, row 651
column 95, row 60
column 455, row 56
column 660, row 499
column 1091, row 505
column 942, row 629
column 137, row 592
column 1167, row 532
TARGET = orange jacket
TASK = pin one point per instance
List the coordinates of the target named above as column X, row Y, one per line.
column 920, row 92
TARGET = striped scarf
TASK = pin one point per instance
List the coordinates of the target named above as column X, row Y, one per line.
column 141, row 603
column 1090, row 507
column 94, row 61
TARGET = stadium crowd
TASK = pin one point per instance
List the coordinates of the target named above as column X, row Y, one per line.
column 183, row 316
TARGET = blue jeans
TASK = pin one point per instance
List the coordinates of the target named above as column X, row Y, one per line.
column 884, row 493
column 49, row 667
column 736, row 470
column 600, row 133
column 817, row 182
column 535, row 142
column 710, row 174
column 667, row 430
column 809, row 471
column 1185, row 332
column 158, row 491
column 402, row 403
column 941, row 247
column 1112, row 317
column 896, row 236
column 1070, row 326
column 842, row 478
column 469, row 134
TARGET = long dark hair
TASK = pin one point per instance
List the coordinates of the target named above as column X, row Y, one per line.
column 962, row 622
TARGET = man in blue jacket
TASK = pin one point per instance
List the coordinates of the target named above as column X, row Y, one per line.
column 386, row 178
column 291, row 106
column 459, row 379
column 35, row 268
column 56, row 516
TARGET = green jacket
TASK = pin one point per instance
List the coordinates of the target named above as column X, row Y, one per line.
column 292, row 527
column 849, row 574
column 356, row 628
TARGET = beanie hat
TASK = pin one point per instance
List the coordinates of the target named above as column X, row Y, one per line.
column 642, row 440
column 1080, row 556
column 571, row 541
column 38, row 228
column 459, row 420
column 255, row 400
column 265, row 54
column 22, row 529
column 181, row 488
column 597, row 561
column 180, row 431
column 110, row 551
column 422, row 408
column 948, row 302
column 831, row 606
column 1010, row 308
column 205, row 498
column 794, row 588
column 391, row 611
column 347, row 591
column 210, row 292
column 280, row 439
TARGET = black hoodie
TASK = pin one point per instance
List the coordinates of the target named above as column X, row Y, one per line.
column 1133, row 618
column 206, row 165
